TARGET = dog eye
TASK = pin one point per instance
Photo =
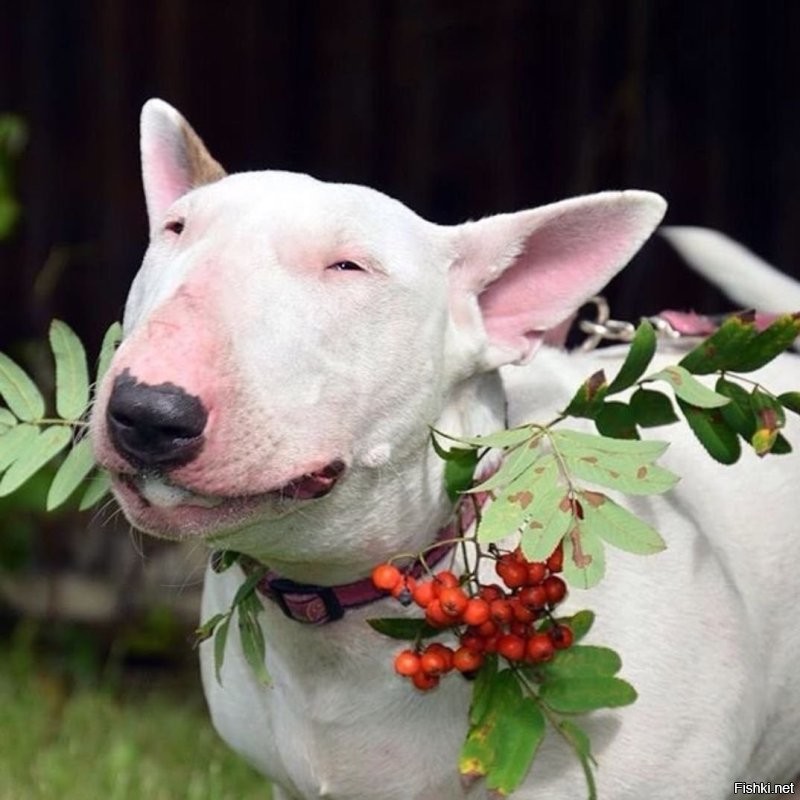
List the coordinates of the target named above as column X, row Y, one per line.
column 342, row 266
column 175, row 226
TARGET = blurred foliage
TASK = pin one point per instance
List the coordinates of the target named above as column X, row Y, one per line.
column 13, row 137
column 151, row 738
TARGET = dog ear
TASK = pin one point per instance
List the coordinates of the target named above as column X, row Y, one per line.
column 174, row 158
column 516, row 276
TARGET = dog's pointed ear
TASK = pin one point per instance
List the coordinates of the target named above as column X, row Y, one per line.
column 174, row 158
column 516, row 276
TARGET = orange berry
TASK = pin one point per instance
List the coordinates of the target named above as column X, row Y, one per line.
column 511, row 647
column 540, row 648
column 555, row 589
column 534, row 597
column 490, row 644
column 555, row 563
column 423, row 593
column 407, row 663
column 473, row 641
column 477, row 611
column 467, row 660
column 425, row 682
column 488, row 628
column 520, row 629
column 435, row 615
column 513, row 573
column 501, row 611
column 453, row 601
column 537, row 572
column 444, row 580
column 491, row 592
column 445, row 652
column 522, row 613
column 433, row 662
column 562, row 637
column 386, row 577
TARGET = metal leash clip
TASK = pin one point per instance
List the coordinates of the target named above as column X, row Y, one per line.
column 603, row 328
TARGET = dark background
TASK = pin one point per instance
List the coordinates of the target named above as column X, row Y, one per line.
column 458, row 108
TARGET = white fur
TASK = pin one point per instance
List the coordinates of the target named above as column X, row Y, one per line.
column 305, row 364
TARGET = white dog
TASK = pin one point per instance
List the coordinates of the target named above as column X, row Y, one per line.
column 287, row 345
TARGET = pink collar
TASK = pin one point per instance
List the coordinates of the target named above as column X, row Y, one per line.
column 317, row 605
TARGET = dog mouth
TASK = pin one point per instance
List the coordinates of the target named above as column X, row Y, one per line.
column 155, row 489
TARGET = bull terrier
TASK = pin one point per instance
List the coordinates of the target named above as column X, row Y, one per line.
column 287, row 345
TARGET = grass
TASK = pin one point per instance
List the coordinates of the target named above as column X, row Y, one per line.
column 149, row 741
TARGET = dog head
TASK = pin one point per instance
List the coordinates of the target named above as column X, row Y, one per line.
column 288, row 343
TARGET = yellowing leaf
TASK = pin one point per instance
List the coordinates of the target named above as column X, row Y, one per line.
column 584, row 557
column 503, row 742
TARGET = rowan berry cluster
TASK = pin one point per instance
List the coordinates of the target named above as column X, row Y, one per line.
column 513, row 620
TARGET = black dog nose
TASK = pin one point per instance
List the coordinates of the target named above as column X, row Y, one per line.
column 155, row 425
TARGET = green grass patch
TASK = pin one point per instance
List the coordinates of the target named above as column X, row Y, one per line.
column 148, row 742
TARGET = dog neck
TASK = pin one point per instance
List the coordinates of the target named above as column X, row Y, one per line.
column 375, row 513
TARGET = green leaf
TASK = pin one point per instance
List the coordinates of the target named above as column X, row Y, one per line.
column 588, row 400
column 247, row 589
column 580, row 623
column 616, row 420
column 19, row 391
column 482, row 689
column 220, row 640
column 206, row 630
column 459, row 472
column 111, row 340
column 580, row 742
column 45, row 446
column 617, row 526
column 738, row 414
column 99, row 486
column 790, row 401
column 781, row 446
column 582, row 661
column 400, row 628
column 688, row 388
column 445, row 455
column 504, row 438
column 768, row 344
column 640, row 354
column 722, row 349
column 252, row 637
column 503, row 743
column 584, row 558
column 15, row 442
column 651, row 408
column 72, row 374
column 579, row 694
column 72, row 472
column 516, row 461
column 7, row 420
column 624, row 473
column 576, row 443
column 713, row 432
